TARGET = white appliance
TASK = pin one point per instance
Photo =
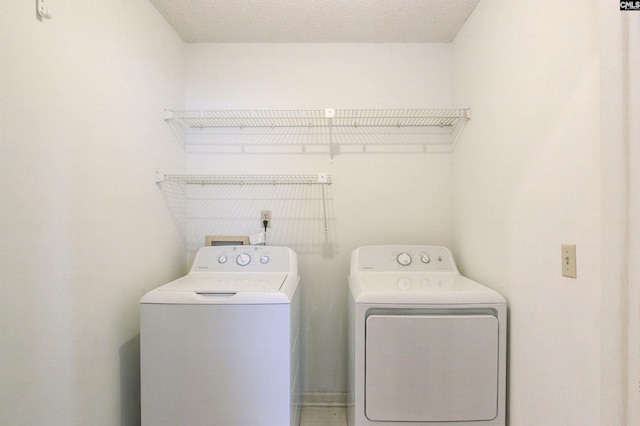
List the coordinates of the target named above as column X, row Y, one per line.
column 427, row 346
column 220, row 346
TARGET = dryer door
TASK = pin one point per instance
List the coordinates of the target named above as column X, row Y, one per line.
column 431, row 368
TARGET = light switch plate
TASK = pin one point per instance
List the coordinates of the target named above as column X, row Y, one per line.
column 569, row 268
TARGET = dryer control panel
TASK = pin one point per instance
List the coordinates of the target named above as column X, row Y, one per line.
column 393, row 258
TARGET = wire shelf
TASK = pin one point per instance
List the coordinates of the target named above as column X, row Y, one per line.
column 256, row 179
column 176, row 188
column 334, row 118
column 329, row 131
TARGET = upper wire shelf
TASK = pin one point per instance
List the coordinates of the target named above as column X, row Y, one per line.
column 330, row 131
column 318, row 118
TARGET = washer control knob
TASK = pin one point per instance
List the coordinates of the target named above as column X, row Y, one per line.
column 222, row 259
column 404, row 259
column 243, row 259
column 425, row 258
column 404, row 283
column 264, row 259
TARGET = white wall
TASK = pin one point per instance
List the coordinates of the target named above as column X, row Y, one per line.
column 84, row 231
column 615, row 227
column 375, row 198
column 526, row 180
column 632, row 59
column 620, row 132
column 81, row 97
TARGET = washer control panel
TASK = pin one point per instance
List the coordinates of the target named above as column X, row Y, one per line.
column 243, row 259
column 403, row 258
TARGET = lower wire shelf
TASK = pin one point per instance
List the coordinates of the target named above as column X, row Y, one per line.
column 250, row 179
column 187, row 196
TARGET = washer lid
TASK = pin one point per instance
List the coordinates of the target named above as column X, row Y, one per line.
column 228, row 289
column 380, row 287
column 210, row 283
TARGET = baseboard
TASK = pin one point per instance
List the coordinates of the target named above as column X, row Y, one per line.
column 324, row 399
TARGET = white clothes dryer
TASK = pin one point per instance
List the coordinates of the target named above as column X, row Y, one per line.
column 427, row 346
column 220, row 346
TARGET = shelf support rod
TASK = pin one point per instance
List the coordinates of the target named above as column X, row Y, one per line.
column 329, row 113
column 323, row 180
column 324, row 209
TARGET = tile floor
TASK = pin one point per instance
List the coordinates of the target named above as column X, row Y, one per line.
column 323, row 416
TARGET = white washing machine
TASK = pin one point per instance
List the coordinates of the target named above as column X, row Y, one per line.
column 220, row 346
column 427, row 346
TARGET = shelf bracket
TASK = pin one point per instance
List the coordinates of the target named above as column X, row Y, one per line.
column 458, row 127
column 43, row 11
column 159, row 177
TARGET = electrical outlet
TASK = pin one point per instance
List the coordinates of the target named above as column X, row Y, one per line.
column 265, row 215
column 569, row 268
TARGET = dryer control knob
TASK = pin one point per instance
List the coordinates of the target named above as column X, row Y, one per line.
column 425, row 258
column 264, row 259
column 243, row 259
column 404, row 259
column 222, row 259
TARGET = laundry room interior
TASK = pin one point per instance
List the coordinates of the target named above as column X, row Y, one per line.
column 544, row 153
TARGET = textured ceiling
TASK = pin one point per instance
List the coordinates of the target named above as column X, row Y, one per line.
column 316, row 21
